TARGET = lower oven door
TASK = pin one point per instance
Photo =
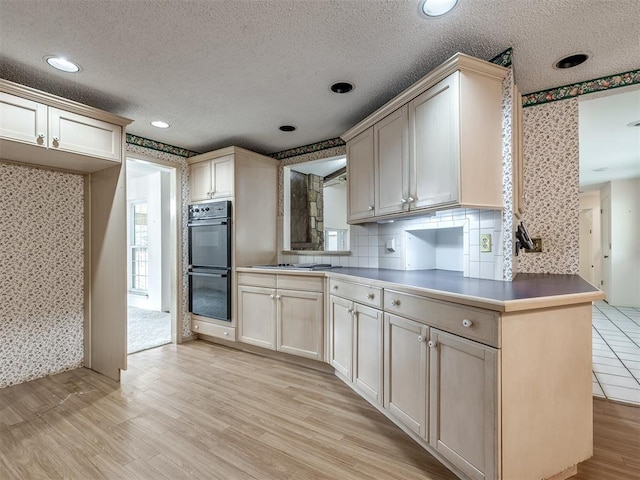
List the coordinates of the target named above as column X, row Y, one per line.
column 210, row 293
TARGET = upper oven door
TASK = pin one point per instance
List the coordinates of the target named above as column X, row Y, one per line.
column 210, row 243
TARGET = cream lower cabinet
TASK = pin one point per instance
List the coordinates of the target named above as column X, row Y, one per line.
column 463, row 415
column 282, row 319
column 341, row 336
column 405, row 373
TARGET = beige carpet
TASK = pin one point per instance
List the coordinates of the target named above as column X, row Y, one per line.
column 147, row 329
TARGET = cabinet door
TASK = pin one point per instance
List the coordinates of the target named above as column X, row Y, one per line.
column 367, row 361
column 257, row 316
column 23, row 120
column 299, row 323
column 200, row 181
column 434, row 135
column 462, row 394
column 222, row 177
column 75, row 133
column 405, row 394
column 341, row 336
column 360, row 177
column 391, row 141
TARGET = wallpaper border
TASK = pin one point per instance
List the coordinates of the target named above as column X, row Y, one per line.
column 581, row 88
column 306, row 149
column 159, row 146
column 503, row 58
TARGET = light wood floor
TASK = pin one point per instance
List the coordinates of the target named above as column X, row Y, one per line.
column 207, row 412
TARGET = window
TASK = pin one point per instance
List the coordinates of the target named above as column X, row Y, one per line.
column 139, row 248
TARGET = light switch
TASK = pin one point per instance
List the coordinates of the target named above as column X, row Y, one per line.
column 485, row 242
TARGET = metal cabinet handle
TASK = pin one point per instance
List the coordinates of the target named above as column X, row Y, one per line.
column 395, row 303
column 370, row 207
column 432, row 344
column 420, row 338
column 370, row 296
column 466, row 323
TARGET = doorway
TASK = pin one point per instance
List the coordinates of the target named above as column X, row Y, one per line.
column 151, row 227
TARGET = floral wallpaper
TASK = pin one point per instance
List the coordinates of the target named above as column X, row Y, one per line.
column 184, row 168
column 507, row 176
column 551, row 177
column 41, row 272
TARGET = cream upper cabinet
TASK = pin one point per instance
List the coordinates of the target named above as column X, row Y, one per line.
column 70, row 132
column 360, row 177
column 433, row 119
column 46, row 130
column 23, row 120
column 405, row 394
column 463, row 415
column 391, row 152
column 212, row 179
column 436, row 145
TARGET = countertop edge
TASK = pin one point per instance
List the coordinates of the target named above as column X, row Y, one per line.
column 514, row 305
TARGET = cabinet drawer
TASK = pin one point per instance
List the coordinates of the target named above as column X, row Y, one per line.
column 468, row 322
column 213, row 330
column 357, row 292
column 300, row 282
column 257, row 279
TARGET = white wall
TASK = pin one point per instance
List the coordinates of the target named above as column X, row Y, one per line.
column 590, row 243
column 149, row 189
column 625, row 243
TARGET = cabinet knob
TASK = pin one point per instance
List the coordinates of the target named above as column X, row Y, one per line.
column 432, row 344
column 41, row 135
column 226, row 334
column 466, row 323
column 335, row 287
column 421, row 338
column 411, row 199
column 56, row 139
column 402, row 200
column 350, row 311
column 370, row 296
column 272, row 296
column 395, row 303
column 277, row 297
column 196, row 327
column 370, row 207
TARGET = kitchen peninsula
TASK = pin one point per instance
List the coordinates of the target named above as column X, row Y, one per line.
column 493, row 378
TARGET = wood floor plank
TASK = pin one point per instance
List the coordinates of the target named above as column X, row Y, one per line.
column 200, row 411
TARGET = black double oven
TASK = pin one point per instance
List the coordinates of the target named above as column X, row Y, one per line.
column 210, row 260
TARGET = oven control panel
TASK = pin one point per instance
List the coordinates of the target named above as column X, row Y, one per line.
column 202, row 211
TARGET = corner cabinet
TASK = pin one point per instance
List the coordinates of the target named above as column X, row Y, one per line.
column 436, row 145
column 48, row 131
column 282, row 312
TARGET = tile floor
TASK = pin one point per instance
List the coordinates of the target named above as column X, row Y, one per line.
column 616, row 352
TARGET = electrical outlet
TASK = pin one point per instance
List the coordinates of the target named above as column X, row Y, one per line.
column 537, row 245
column 485, row 242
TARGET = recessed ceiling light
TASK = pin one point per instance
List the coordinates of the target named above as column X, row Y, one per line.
column 572, row 60
column 160, row 124
column 341, row 87
column 634, row 124
column 436, row 8
column 62, row 64
column 287, row 128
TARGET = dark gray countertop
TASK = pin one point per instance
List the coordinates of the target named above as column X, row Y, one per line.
column 526, row 291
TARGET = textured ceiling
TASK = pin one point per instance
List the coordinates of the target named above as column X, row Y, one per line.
column 231, row 72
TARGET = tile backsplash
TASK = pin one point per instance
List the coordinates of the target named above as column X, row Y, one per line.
column 371, row 244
